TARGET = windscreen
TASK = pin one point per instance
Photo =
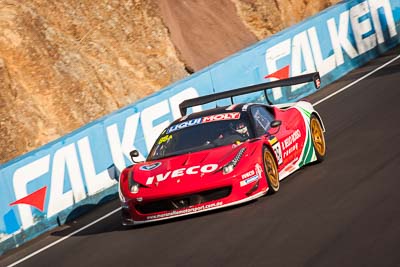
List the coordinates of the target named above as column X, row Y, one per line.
column 202, row 133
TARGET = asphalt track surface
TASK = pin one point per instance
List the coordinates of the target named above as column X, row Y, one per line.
column 342, row 212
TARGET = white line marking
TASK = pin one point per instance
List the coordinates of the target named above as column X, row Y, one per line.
column 356, row 81
column 65, row 237
column 116, row 210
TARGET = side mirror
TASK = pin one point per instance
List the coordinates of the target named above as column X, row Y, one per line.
column 275, row 124
column 134, row 154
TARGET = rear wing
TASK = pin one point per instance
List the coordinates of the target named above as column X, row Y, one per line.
column 250, row 89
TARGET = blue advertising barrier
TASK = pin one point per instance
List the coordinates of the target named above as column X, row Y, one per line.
column 57, row 182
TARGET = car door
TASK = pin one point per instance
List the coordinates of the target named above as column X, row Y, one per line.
column 291, row 135
column 263, row 117
column 287, row 141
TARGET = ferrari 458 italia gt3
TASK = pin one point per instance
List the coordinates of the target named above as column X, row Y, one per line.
column 222, row 156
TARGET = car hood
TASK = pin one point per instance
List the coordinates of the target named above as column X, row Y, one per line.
column 187, row 168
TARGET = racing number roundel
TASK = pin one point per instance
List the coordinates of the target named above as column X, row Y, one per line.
column 278, row 152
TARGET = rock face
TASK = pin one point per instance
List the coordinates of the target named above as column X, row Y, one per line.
column 266, row 17
column 68, row 62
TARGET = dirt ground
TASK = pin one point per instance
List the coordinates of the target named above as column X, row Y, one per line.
column 205, row 31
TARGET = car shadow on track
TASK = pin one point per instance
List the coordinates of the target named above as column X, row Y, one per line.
column 78, row 222
column 112, row 223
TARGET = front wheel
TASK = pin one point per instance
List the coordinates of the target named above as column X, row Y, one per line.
column 317, row 135
column 271, row 171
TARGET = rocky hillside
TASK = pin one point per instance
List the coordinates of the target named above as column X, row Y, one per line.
column 65, row 63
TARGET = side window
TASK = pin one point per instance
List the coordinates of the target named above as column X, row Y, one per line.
column 262, row 118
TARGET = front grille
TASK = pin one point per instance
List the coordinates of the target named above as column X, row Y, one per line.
column 184, row 201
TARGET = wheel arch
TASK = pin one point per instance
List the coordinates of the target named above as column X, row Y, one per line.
column 307, row 109
column 272, row 188
column 319, row 119
column 269, row 147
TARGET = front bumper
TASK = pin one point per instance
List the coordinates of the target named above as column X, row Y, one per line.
column 134, row 213
column 127, row 219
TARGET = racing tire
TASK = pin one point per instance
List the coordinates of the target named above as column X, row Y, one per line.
column 271, row 171
column 318, row 138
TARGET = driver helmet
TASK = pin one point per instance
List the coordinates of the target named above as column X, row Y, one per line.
column 241, row 128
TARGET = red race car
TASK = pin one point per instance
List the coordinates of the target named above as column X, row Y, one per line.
column 222, row 156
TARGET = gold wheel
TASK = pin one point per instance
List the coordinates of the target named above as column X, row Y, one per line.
column 271, row 171
column 318, row 138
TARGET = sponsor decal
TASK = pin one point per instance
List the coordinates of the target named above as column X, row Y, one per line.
column 291, row 149
column 248, row 174
column 35, row 199
column 184, row 125
column 291, row 167
column 280, row 74
column 221, row 117
column 288, row 146
column 278, row 152
column 150, row 167
column 251, row 176
column 186, row 211
column 208, row 168
column 249, row 180
column 272, row 140
column 291, row 139
column 164, row 139
column 211, row 118
column 259, row 169
column 58, row 178
column 331, row 43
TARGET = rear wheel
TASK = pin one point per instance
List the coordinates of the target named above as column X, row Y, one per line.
column 317, row 135
column 271, row 171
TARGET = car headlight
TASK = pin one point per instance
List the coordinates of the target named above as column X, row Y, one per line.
column 228, row 168
column 133, row 186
